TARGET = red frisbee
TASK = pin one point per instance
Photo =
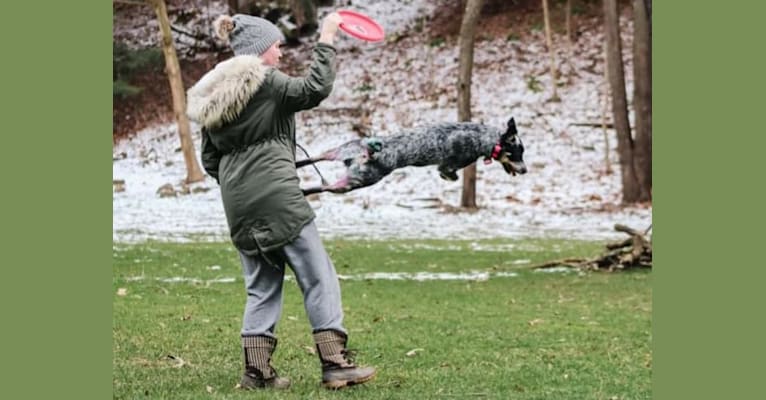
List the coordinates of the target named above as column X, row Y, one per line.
column 360, row 26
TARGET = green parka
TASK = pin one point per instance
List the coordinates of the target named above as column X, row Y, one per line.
column 247, row 113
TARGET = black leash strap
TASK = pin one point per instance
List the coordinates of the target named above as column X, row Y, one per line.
column 324, row 181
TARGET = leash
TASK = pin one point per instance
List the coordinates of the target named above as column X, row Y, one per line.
column 324, row 181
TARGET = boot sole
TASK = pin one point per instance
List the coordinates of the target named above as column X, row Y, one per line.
column 335, row 385
column 253, row 385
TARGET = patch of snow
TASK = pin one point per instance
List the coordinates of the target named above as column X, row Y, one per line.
column 409, row 248
column 419, row 276
column 388, row 276
column 554, row 270
column 180, row 279
column 505, row 274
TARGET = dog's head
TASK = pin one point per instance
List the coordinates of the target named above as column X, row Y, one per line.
column 512, row 150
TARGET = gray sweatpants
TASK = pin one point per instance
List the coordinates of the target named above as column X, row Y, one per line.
column 316, row 278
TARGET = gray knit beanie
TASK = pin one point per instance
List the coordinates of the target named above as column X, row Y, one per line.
column 247, row 34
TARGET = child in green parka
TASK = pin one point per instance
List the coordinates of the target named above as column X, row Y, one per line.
column 246, row 108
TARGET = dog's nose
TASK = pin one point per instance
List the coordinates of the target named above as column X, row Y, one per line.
column 519, row 167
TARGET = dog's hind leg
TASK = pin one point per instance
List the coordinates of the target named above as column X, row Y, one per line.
column 313, row 190
column 305, row 162
column 329, row 155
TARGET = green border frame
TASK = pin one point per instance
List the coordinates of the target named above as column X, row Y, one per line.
column 56, row 296
column 708, row 66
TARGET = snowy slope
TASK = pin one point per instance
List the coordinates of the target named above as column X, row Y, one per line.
column 404, row 84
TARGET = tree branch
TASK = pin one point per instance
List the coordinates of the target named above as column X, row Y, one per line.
column 609, row 125
column 131, row 2
column 633, row 252
column 191, row 35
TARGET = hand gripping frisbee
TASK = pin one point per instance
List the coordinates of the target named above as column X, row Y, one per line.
column 360, row 26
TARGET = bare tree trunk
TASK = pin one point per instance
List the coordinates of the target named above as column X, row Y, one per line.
column 549, row 43
column 467, row 33
column 233, row 6
column 305, row 13
column 240, row 6
column 649, row 14
column 569, row 24
column 642, row 98
column 173, row 69
column 604, row 112
column 243, row 6
column 630, row 191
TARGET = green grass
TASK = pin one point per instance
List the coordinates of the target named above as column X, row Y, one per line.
column 533, row 336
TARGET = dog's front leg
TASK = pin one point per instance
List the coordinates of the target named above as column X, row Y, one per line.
column 447, row 173
column 341, row 186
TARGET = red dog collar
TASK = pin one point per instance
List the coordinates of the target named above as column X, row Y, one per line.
column 495, row 153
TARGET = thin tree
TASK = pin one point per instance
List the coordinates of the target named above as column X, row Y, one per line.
column 630, row 189
column 240, row 6
column 642, row 97
column 465, row 44
column 233, row 6
column 604, row 112
column 173, row 69
column 569, row 22
column 305, row 13
column 549, row 43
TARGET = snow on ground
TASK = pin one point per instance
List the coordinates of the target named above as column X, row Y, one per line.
column 410, row 83
column 371, row 276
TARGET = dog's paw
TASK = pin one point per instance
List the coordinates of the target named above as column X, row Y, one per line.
column 448, row 176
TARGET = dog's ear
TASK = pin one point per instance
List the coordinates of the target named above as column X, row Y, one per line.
column 511, row 131
column 512, row 127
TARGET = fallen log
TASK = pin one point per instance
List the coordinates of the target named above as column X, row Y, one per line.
column 634, row 252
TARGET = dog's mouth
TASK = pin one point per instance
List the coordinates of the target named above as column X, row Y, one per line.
column 514, row 167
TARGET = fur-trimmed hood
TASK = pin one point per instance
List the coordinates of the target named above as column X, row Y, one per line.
column 222, row 93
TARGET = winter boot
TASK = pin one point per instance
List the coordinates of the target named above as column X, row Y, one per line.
column 258, row 370
column 338, row 370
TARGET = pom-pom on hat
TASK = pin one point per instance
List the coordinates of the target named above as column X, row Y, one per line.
column 247, row 34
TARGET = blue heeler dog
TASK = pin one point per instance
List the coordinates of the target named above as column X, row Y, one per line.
column 451, row 146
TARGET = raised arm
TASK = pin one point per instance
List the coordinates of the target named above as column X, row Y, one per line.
column 307, row 92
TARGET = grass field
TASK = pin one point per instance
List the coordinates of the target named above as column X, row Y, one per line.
column 178, row 308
